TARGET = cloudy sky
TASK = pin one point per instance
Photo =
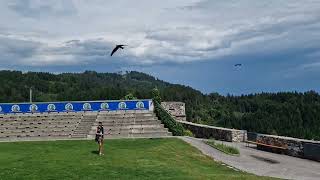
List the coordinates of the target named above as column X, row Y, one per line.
column 192, row 42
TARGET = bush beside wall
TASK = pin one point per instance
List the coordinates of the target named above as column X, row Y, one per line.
column 173, row 126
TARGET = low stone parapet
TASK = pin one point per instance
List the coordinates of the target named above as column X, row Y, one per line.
column 294, row 147
column 219, row 133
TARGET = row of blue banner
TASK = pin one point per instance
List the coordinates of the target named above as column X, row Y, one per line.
column 76, row 106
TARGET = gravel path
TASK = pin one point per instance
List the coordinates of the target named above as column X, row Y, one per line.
column 260, row 162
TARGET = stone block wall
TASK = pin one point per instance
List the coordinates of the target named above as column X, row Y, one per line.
column 176, row 110
column 295, row 147
column 225, row 134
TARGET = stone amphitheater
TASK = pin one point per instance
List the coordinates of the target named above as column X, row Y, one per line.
column 119, row 123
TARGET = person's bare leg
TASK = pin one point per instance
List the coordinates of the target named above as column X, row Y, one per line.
column 100, row 147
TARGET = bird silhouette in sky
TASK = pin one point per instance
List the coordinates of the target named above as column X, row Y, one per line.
column 116, row 48
column 238, row 65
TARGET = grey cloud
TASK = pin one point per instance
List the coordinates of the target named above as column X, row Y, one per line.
column 266, row 30
column 27, row 52
column 40, row 9
column 14, row 50
column 215, row 29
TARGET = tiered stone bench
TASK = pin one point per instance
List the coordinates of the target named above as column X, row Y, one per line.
column 118, row 124
column 46, row 125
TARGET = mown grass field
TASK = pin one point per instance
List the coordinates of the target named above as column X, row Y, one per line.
column 124, row 159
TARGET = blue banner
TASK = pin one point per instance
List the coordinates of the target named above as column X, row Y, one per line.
column 74, row 106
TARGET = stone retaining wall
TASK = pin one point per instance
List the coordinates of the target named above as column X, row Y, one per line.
column 225, row 134
column 295, row 147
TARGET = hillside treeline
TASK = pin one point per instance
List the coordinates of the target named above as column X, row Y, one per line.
column 285, row 113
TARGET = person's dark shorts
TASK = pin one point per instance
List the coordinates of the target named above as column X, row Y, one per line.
column 99, row 139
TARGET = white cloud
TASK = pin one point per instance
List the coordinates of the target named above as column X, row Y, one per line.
column 45, row 33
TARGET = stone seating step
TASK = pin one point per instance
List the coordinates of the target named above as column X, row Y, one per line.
column 134, row 135
column 40, row 120
column 132, row 126
column 37, row 134
column 79, row 136
column 37, row 126
column 38, row 123
column 30, row 117
column 128, row 119
column 82, row 126
column 127, row 129
column 36, row 130
column 128, row 124
column 125, row 121
column 42, row 132
column 42, row 138
column 81, row 131
column 40, row 116
column 125, row 112
column 131, row 131
column 88, row 118
column 126, row 115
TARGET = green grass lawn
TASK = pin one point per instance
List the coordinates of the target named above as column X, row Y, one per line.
column 124, row 159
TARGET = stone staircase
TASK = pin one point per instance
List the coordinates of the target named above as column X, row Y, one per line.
column 84, row 127
column 129, row 124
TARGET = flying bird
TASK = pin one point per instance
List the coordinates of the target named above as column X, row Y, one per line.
column 116, row 48
column 238, row 65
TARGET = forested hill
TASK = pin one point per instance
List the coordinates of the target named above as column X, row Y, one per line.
column 289, row 114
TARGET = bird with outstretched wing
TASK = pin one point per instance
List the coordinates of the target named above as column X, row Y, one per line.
column 116, row 48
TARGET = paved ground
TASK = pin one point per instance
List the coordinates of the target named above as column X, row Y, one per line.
column 261, row 162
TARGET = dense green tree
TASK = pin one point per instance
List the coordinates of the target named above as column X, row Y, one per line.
column 284, row 113
column 156, row 95
column 129, row 96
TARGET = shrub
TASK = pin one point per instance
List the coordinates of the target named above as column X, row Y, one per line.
column 188, row 133
column 173, row 126
column 156, row 95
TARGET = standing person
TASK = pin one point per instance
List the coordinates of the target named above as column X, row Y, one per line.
column 99, row 137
